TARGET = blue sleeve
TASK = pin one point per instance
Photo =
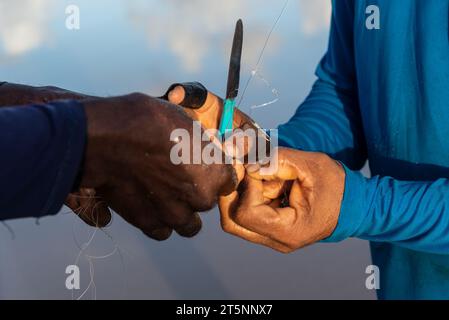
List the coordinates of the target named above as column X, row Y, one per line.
column 41, row 148
column 329, row 119
column 414, row 215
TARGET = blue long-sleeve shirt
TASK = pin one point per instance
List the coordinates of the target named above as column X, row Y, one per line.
column 41, row 147
column 382, row 95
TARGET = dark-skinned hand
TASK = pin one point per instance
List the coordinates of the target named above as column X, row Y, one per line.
column 127, row 162
column 167, row 197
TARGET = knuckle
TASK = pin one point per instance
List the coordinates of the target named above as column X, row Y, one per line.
column 138, row 97
column 190, row 229
column 215, row 180
column 161, row 234
column 204, row 199
column 293, row 243
column 322, row 158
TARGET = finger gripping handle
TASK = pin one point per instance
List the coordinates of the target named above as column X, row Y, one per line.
column 195, row 94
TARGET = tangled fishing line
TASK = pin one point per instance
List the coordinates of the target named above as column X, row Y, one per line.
column 255, row 73
column 84, row 247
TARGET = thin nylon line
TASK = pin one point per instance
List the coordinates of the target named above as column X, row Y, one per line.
column 10, row 230
column 259, row 60
column 91, row 258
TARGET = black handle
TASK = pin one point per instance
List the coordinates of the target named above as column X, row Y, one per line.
column 195, row 94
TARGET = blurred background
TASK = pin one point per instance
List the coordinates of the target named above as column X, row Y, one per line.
column 124, row 46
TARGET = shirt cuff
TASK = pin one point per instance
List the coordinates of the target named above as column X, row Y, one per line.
column 353, row 207
column 69, row 166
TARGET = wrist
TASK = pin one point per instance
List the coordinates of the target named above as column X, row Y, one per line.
column 353, row 206
column 91, row 174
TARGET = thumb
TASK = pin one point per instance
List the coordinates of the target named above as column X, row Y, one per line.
column 252, row 195
column 177, row 95
column 192, row 95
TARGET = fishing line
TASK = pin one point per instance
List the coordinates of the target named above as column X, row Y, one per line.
column 10, row 230
column 91, row 258
column 274, row 91
column 82, row 248
column 255, row 72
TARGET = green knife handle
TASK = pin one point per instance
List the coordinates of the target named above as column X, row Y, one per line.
column 227, row 118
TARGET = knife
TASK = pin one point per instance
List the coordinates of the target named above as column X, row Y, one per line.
column 232, row 90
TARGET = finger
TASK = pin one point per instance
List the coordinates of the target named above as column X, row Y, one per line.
column 72, row 201
column 241, row 144
column 285, row 164
column 284, row 171
column 240, row 172
column 274, row 189
column 298, row 199
column 274, row 223
column 251, row 193
column 252, row 214
column 135, row 208
column 160, row 234
column 89, row 207
column 276, row 203
column 227, row 204
column 180, row 217
column 191, row 228
column 191, row 95
column 199, row 104
column 176, row 96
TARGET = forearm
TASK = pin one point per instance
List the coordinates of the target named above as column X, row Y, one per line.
column 329, row 122
column 12, row 94
column 414, row 215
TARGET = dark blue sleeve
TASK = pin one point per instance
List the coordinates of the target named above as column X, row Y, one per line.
column 41, row 149
column 329, row 120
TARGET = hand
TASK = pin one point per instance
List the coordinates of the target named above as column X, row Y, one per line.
column 205, row 107
column 84, row 202
column 313, row 184
column 127, row 161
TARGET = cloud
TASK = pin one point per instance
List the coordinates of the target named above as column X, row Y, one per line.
column 23, row 25
column 192, row 29
column 315, row 16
